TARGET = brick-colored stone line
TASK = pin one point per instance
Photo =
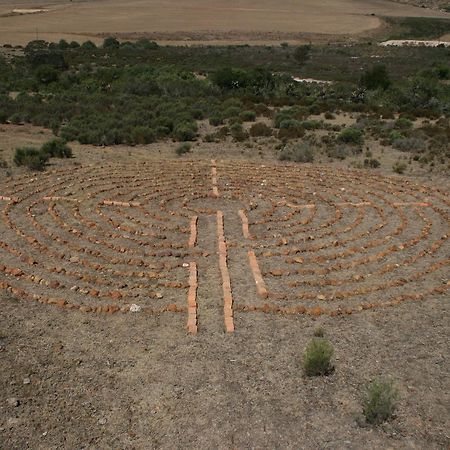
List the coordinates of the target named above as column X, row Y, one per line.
column 226, row 282
column 116, row 203
column 215, row 190
column 55, row 199
column 422, row 204
column 260, row 285
column 245, row 230
column 192, row 299
column 9, row 199
column 354, row 204
column 291, row 205
column 193, row 235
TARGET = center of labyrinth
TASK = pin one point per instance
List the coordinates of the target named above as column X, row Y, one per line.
column 207, row 240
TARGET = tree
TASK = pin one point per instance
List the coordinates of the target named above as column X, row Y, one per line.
column 111, row 43
column 375, row 78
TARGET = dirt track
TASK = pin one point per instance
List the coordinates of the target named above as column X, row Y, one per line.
column 83, row 20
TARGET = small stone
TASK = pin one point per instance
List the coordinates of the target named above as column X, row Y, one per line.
column 26, row 380
column 159, row 295
column 13, row 401
column 135, row 308
column 102, row 421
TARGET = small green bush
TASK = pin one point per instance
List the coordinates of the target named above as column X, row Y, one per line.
column 260, row 129
column 30, row 157
column 248, row 116
column 399, row 167
column 142, row 135
column 395, row 135
column 57, row 148
column 182, row 149
column 215, row 121
column 376, row 77
column 380, row 401
column 351, row 136
column 317, row 358
column 185, row 132
column 302, row 153
column 290, row 123
column 403, row 123
column 371, row 163
column 410, row 145
column 238, row 133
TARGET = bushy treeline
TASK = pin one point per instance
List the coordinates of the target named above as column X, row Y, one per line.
column 104, row 103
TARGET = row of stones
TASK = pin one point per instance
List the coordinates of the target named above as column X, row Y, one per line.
column 226, row 282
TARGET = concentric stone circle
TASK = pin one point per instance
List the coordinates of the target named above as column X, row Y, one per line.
column 118, row 238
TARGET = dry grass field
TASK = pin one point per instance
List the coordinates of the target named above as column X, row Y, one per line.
column 198, row 20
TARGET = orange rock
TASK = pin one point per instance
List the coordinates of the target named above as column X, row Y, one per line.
column 115, row 295
column 16, row 272
column 172, row 307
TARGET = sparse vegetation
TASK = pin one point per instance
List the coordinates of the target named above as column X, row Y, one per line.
column 380, row 401
column 31, row 157
column 317, row 358
column 302, row 153
column 182, row 149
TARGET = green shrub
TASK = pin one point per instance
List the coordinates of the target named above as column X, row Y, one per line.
column 185, row 132
column 380, row 401
column 403, row 123
column 311, row 124
column 339, row 151
column 376, row 77
column 302, row 153
column 111, row 43
column 399, row 167
column 260, row 129
column 394, row 136
column 88, row 45
column 371, row 163
column 248, row 116
column 317, row 358
column 410, row 145
column 351, row 136
column 142, row 135
column 290, row 123
column 232, row 111
column 215, row 121
column 238, row 133
column 57, row 148
column 30, row 157
column 182, row 149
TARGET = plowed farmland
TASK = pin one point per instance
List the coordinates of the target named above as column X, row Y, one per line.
column 197, row 20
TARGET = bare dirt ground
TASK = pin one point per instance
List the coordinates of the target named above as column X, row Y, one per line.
column 363, row 254
column 198, row 20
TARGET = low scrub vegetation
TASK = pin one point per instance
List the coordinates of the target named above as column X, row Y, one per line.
column 380, row 401
column 317, row 358
column 36, row 158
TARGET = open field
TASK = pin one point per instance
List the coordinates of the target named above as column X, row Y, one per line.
column 85, row 245
column 199, row 20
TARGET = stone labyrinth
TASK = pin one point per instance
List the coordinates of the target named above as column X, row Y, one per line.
column 155, row 238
